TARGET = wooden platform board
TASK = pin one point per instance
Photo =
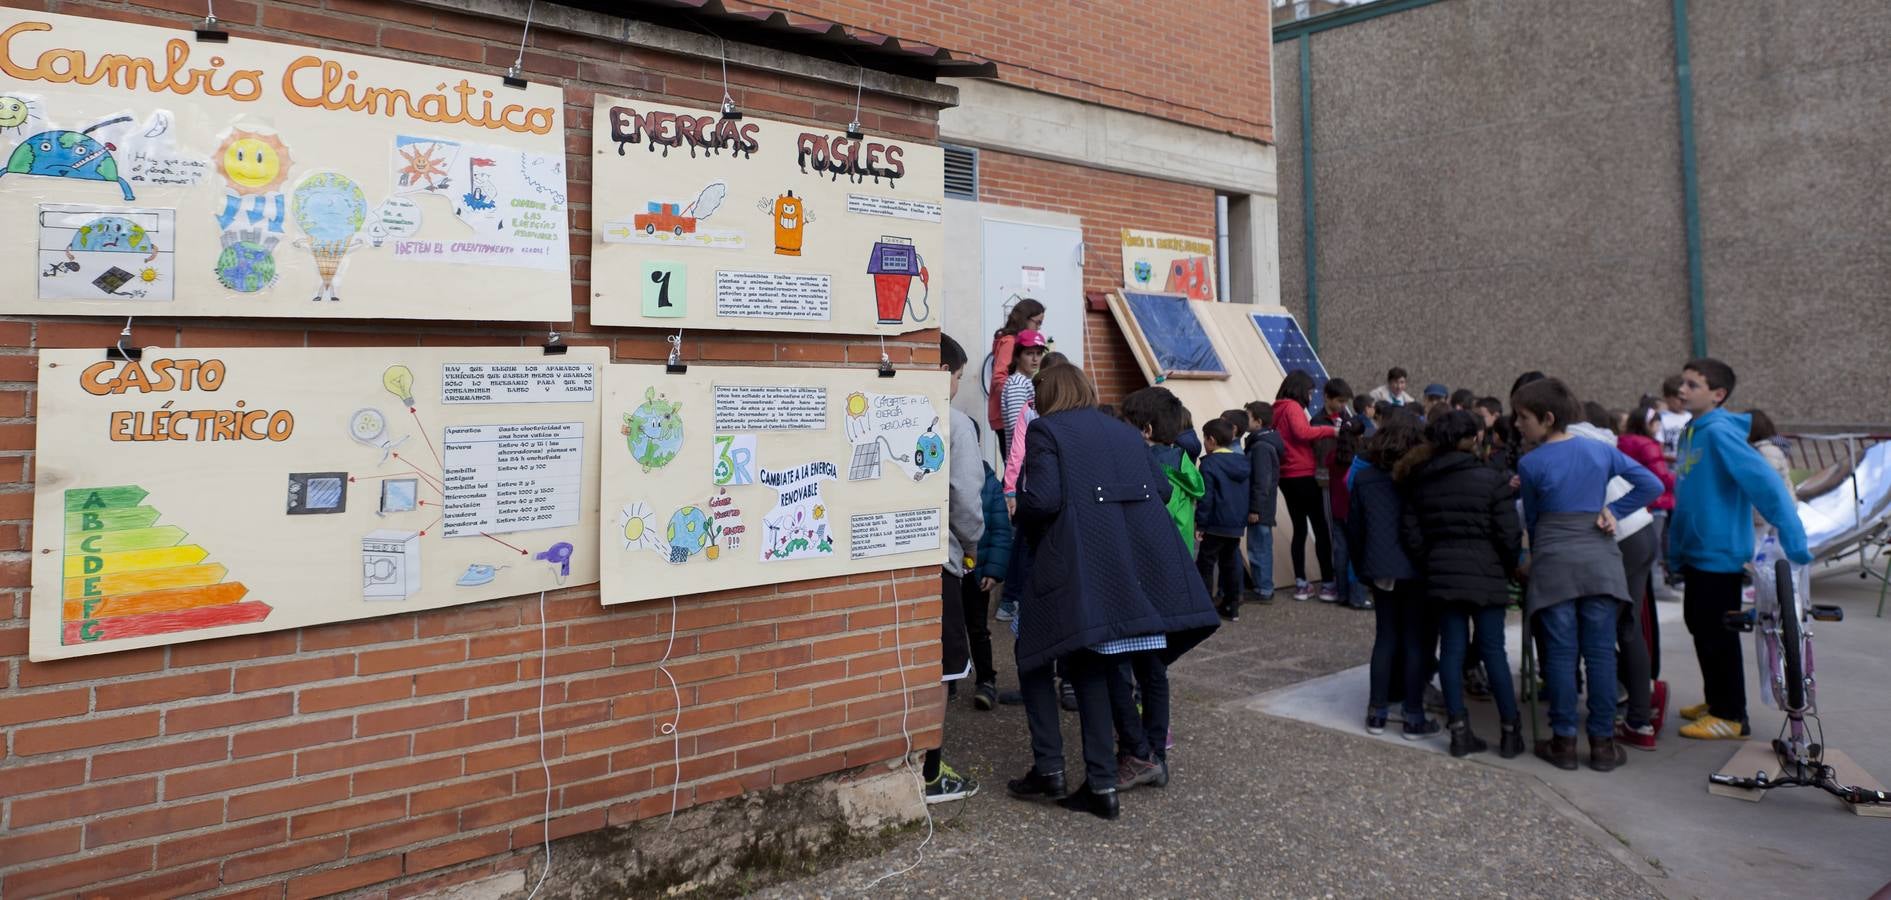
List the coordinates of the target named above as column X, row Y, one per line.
column 1757, row 756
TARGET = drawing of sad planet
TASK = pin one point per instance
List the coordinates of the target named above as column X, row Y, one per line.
column 688, row 533
column 112, row 234
column 330, row 208
column 654, row 431
column 68, row 154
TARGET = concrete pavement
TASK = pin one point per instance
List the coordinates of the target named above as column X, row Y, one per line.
column 1259, row 806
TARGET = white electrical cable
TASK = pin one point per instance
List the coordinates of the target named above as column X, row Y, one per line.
column 670, row 728
column 542, row 764
column 906, row 707
column 520, row 59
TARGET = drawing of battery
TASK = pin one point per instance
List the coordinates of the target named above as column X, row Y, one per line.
column 893, row 263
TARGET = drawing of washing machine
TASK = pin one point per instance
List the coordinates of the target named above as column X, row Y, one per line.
column 390, row 564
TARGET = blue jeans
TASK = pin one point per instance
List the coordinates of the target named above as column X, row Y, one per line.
column 1454, row 633
column 1349, row 589
column 1261, row 558
column 1585, row 625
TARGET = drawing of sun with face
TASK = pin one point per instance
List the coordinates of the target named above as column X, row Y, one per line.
column 253, row 162
column 15, row 112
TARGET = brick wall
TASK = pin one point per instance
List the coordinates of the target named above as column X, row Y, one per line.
column 404, row 750
column 1108, row 202
column 1202, row 63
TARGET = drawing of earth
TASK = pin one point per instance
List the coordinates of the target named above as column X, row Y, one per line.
column 247, row 266
column 688, row 533
column 654, row 431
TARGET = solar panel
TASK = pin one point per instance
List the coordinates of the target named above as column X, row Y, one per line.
column 1289, row 346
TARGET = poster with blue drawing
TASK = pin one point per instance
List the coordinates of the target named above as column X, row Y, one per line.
column 898, row 430
column 106, row 253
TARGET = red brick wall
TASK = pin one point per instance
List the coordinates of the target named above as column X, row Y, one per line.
column 1108, row 202
column 1203, row 62
column 404, row 749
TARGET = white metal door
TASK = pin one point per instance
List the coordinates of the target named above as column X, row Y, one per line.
column 1044, row 262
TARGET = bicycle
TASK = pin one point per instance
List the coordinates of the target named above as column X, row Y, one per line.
column 1783, row 646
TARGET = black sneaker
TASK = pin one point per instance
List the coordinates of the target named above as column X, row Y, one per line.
column 986, row 696
column 1010, row 698
column 950, row 785
column 1230, row 611
column 1375, row 723
column 1067, row 696
column 1422, row 730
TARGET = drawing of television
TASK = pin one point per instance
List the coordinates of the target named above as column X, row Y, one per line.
column 317, row 493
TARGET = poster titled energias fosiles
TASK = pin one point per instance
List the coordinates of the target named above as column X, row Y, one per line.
column 201, row 493
column 745, row 223
column 149, row 173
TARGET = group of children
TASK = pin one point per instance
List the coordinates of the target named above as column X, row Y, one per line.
column 1442, row 516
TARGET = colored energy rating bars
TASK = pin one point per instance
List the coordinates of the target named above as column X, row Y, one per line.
column 126, row 576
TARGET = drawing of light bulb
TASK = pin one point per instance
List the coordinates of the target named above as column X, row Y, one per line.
column 368, row 426
column 399, row 381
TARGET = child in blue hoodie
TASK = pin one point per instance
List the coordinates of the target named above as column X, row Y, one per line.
column 1222, row 514
column 1721, row 480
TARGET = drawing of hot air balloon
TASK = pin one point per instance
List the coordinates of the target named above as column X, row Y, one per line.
column 331, row 209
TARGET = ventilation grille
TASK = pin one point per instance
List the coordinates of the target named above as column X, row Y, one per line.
column 961, row 173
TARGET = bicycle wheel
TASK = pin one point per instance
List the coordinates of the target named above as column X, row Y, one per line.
column 1791, row 637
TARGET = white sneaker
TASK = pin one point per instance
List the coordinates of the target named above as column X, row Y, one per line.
column 1302, row 590
column 1329, row 593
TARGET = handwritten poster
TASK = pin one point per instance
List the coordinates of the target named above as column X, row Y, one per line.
column 245, row 181
column 776, row 226
column 731, row 476
column 198, row 493
column 900, row 430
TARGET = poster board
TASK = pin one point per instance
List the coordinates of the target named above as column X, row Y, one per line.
column 1159, row 262
column 150, row 174
column 758, row 225
column 731, row 476
column 1167, row 335
column 202, row 493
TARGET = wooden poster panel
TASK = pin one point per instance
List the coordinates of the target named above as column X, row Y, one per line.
column 1158, row 262
column 202, row 493
column 728, row 477
column 758, row 225
column 148, row 173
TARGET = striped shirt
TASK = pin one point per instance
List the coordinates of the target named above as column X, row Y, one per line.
column 1019, row 391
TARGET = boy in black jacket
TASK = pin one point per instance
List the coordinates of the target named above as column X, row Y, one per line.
column 1264, row 448
column 1221, row 515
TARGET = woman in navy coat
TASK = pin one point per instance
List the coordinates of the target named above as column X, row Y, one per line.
column 1111, row 576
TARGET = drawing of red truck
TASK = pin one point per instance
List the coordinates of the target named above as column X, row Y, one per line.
column 664, row 217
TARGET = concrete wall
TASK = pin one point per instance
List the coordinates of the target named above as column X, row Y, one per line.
column 1499, row 188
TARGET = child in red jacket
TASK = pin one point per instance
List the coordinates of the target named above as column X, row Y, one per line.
column 1297, row 483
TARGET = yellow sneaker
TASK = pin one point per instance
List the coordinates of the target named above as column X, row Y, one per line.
column 1713, row 728
column 1694, row 712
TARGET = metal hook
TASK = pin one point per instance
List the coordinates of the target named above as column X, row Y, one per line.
column 513, row 79
column 860, row 85
column 675, row 365
column 120, row 351
column 554, row 344
column 209, row 32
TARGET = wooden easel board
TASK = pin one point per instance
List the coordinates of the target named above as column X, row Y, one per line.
column 1758, row 756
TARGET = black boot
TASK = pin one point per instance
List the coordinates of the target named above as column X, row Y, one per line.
column 1604, row 753
column 1558, row 751
column 1510, row 742
column 1035, row 784
column 1101, row 804
column 1463, row 741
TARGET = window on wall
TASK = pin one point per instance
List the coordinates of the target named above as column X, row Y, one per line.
column 961, row 172
column 1223, row 287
